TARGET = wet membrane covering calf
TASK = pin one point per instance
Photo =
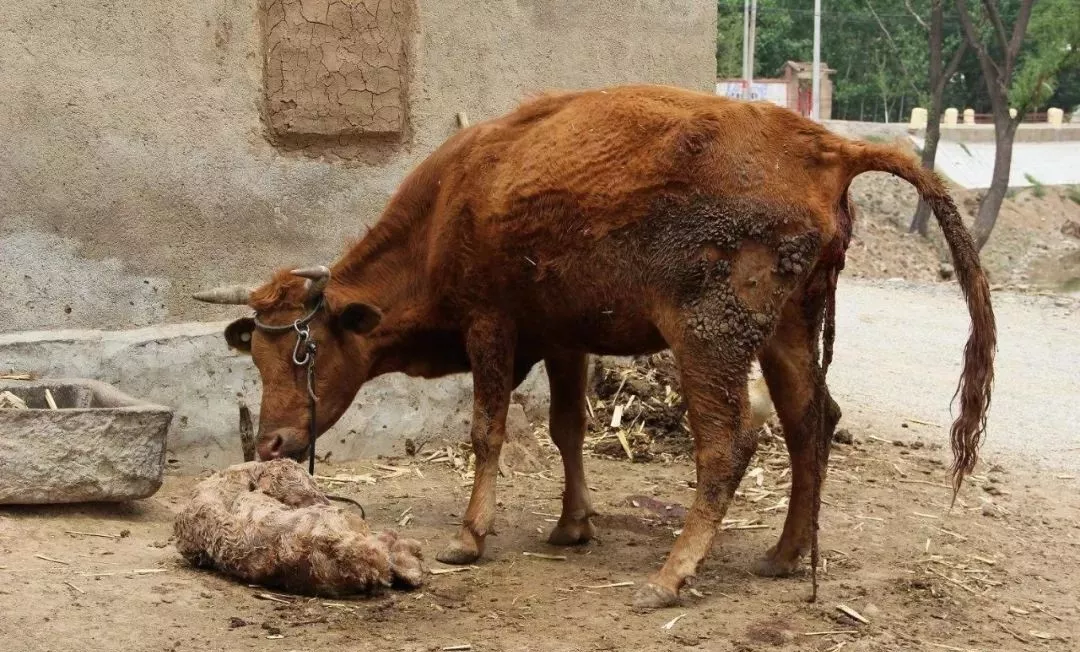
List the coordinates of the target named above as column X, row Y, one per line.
column 269, row 523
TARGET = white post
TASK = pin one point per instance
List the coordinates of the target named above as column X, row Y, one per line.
column 815, row 110
column 918, row 118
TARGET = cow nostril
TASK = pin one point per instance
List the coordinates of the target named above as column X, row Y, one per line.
column 276, row 447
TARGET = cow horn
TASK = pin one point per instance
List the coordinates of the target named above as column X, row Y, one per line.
column 317, row 276
column 231, row 295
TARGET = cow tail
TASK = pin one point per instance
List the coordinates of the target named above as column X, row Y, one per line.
column 977, row 378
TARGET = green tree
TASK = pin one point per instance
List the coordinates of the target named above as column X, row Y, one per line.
column 728, row 42
column 1053, row 57
column 879, row 49
column 879, row 54
column 1013, row 80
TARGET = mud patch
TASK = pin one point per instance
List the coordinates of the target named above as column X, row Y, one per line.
column 653, row 411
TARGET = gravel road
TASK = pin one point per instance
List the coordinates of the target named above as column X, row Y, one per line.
column 899, row 349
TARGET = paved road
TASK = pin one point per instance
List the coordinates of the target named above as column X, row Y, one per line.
column 899, row 351
column 972, row 164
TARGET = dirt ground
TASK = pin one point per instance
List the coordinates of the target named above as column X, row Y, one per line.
column 1034, row 247
column 1000, row 571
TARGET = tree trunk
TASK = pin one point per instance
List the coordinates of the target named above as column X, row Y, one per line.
column 938, row 78
column 998, row 79
column 920, row 223
column 1004, row 133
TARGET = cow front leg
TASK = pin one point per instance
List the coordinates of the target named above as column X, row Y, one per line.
column 567, row 375
column 714, row 382
column 490, row 345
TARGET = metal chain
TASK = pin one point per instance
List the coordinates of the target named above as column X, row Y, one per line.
column 309, row 360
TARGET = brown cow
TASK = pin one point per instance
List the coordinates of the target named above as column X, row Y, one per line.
column 621, row 221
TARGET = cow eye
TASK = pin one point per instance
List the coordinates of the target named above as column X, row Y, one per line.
column 238, row 334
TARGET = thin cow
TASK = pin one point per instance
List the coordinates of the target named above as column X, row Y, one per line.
column 618, row 221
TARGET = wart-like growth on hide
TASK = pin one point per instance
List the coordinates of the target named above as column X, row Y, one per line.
column 740, row 258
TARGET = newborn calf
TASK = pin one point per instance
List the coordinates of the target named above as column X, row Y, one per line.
column 268, row 523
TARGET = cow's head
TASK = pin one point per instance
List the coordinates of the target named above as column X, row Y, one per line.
column 340, row 330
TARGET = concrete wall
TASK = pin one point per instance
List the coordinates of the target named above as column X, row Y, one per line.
column 136, row 167
column 1027, row 132
column 187, row 367
column 880, row 131
column 980, row 133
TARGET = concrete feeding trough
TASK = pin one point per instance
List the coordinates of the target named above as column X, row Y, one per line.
column 97, row 444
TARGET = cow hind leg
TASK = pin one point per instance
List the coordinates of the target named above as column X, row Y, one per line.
column 714, row 380
column 567, row 377
column 808, row 415
column 715, row 334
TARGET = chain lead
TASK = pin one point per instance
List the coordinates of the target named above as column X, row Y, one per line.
column 303, row 345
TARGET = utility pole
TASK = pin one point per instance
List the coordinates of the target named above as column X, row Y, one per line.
column 753, row 41
column 745, row 40
column 815, row 103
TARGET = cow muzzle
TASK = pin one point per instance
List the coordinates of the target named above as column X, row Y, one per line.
column 291, row 443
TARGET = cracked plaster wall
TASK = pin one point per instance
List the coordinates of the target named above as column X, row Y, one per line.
column 137, row 165
column 335, row 67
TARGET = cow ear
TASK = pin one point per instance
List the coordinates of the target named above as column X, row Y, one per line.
column 238, row 334
column 359, row 318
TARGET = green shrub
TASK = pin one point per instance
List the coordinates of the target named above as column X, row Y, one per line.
column 1073, row 193
column 1037, row 188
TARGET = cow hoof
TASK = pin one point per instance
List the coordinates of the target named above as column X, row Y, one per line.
column 456, row 553
column 571, row 533
column 771, row 566
column 652, row 596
